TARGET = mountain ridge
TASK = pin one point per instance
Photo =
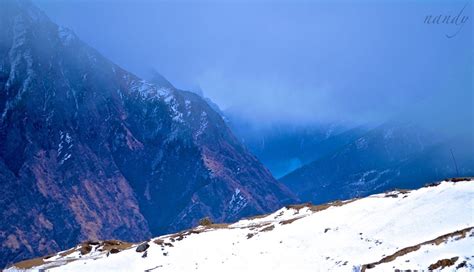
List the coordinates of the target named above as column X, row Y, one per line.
column 395, row 154
column 89, row 150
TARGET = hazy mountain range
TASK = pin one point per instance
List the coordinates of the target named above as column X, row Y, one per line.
column 394, row 155
column 90, row 151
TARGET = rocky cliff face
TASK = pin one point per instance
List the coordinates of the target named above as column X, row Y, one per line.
column 89, row 150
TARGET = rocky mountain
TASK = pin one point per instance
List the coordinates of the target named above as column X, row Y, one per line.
column 91, row 151
column 282, row 146
column 394, row 155
column 429, row 229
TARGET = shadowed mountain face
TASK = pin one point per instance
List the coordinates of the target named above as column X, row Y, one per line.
column 88, row 150
column 394, row 155
column 286, row 147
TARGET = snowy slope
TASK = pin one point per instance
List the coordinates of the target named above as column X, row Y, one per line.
column 432, row 226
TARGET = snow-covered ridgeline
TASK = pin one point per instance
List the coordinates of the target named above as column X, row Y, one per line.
column 427, row 228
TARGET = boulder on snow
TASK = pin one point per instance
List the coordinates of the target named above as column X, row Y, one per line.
column 142, row 247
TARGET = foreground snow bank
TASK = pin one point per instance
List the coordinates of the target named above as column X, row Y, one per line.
column 427, row 228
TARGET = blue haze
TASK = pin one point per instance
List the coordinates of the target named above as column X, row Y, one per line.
column 298, row 62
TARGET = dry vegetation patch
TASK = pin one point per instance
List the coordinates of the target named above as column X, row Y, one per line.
column 458, row 179
column 183, row 234
column 260, row 216
column 162, row 243
column 298, row 207
column 27, row 264
column 289, row 221
column 337, row 203
column 459, row 234
column 206, row 221
column 443, row 263
column 218, row 226
column 269, row 228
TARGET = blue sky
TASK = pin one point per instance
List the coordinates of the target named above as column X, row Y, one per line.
column 288, row 61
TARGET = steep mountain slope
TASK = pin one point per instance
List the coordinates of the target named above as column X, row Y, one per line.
column 430, row 228
column 281, row 146
column 90, row 151
column 394, row 155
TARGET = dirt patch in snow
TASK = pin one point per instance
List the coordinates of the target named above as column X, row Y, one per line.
column 112, row 246
column 255, row 217
column 458, row 179
column 314, row 208
column 289, row 221
column 395, row 193
column 162, row 243
column 183, row 234
column 218, row 226
column 298, row 207
column 109, row 245
column 29, row 263
column 338, row 203
column 454, row 180
column 269, row 228
column 443, row 263
column 441, row 239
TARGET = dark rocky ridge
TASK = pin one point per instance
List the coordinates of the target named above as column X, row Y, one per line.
column 90, row 151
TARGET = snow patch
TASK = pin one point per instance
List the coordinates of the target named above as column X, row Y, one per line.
column 237, row 202
column 203, row 123
column 66, row 36
column 361, row 143
column 64, row 147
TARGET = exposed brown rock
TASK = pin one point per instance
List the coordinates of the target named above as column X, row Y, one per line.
column 440, row 264
column 269, row 228
column 85, row 249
